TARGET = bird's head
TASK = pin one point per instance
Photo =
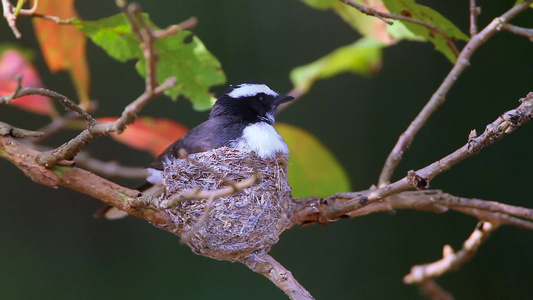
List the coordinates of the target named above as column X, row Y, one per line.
column 249, row 102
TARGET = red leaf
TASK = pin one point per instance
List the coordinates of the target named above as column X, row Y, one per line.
column 12, row 64
column 63, row 45
column 153, row 135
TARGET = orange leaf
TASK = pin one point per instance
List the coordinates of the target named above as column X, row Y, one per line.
column 63, row 45
column 153, row 135
column 12, row 64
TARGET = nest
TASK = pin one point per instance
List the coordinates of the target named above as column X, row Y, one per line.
column 244, row 223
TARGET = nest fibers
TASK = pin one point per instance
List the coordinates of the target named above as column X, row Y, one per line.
column 244, row 223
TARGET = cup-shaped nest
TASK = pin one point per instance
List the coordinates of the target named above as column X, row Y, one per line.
column 243, row 223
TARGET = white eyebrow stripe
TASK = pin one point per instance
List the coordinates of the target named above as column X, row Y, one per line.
column 247, row 89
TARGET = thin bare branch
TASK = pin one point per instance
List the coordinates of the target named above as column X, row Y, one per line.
column 474, row 12
column 433, row 291
column 503, row 125
column 11, row 13
column 384, row 16
column 451, row 260
column 370, row 11
column 203, row 194
column 527, row 32
column 173, row 29
column 129, row 115
column 59, row 124
column 48, row 17
column 495, row 217
column 10, row 17
column 109, row 169
column 336, row 206
column 438, row 98
column 66, row 102
column 309, row 210
column 144, row 31
column 80, row 180
column 8, row 130
column 266, row 265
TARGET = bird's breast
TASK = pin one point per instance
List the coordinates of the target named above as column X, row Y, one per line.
column 262, row 138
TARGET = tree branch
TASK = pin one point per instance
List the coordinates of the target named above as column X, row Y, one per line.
column 336, row 206
column 438, row 98
column 77, row 179
column 266, row 265
column 72, row 147
column 309, row 210
column 474, row 12
column 109, row 169
column 451, row 260
column 433, row 291
column 384, row 16
column 527, row 32
column 8, row 130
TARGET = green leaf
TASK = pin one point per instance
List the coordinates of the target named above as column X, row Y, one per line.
column 362, row 57
column 320, row 4
column 123, row 196
column 520, row 1
column 193, row 65
column 367, row 26
column 114, row 35
column 423, row 13
column 313, row 170
column 182, row 55
column 59, row 170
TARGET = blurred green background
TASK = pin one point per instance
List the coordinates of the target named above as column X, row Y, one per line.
column 52, row 248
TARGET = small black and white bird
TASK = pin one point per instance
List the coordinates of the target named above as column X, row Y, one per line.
column 241, row 118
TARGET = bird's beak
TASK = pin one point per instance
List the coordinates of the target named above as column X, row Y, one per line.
column 283, row 99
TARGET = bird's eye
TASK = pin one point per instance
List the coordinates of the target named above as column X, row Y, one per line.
column 261, row 96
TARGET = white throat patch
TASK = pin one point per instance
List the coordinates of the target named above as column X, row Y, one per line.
column 262, row 138
column 251, row 89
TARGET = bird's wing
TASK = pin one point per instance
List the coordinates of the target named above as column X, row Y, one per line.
column 204, row 137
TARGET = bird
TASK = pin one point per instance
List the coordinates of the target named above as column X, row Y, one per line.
column 241, row 118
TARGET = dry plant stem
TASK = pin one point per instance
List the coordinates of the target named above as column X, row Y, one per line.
column 109, row 169
column 368, row 11
column 202, row 194
column 527, row 32
column 48, row 17
column 451, row 260
column 67, row 103
column 76, row 179
column 11, row 13
column 146, row 38
column 436, row 201
column 8, row 130
column 384, row 16
column 438, row 98
column 173, row 29
column 201, row 221
column 129, row 115
column 10, row 17
column 440, row 202
column 421, row 178
column 184, row 155
column 495, row 217
column 474, row 12
column 55, row 126
column 266, row 265
column 503, row 125
column 433, row 291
